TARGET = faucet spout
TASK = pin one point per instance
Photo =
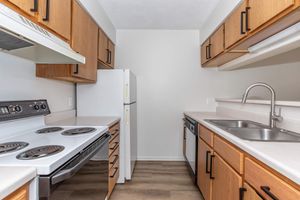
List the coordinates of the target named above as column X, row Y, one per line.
column 273, row 116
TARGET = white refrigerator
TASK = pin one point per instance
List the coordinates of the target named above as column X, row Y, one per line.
column 114, row 94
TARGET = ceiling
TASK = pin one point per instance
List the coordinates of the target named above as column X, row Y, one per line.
column 158, row 14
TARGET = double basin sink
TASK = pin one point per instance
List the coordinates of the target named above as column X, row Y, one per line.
column 253, row 131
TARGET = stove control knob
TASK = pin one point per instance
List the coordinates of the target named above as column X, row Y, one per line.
column 18, row 108
column 43, row 106
column 36, row 107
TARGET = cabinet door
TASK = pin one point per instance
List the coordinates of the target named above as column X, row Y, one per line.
column 250, row 193
column 203, row 175
column 262, row 11
column 56, row 15
column 226, row 183
column 235, row 25
column 103, row 47
column 28, row 6
column 217, row 42
column 111, row 48
column 205, row 52
column 84, row 41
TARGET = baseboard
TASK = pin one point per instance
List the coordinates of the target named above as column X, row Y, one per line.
column 160, row 158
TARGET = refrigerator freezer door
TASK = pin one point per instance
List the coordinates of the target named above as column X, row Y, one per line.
column 130, row 126
column 129, row 87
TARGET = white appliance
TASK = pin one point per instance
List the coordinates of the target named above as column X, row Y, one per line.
column 114, row 94
column 21, row 37
column 57, row 153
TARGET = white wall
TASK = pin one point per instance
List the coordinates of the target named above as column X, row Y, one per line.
column 171, row 81
column 97, row 12
column 18, row 82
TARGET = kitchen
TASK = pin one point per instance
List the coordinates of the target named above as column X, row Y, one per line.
column 166, row 52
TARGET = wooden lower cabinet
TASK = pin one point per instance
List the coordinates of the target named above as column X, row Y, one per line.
column 20, row 194
column 249, row 193
column 226, row 182
column 203, row 174
column 114, row 155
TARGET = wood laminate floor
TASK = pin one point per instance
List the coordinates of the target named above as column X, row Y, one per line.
column 158, row 181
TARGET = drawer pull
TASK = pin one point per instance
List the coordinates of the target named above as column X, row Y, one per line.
column 35, row 6
column 211, row 166
column 267, row 190
column 116, row 131
column 242, row 191
column 114, row 147
column 116, row 170
column 115, row 160
column 206, row 162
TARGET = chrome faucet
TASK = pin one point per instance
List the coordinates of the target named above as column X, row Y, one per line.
column 273, row 116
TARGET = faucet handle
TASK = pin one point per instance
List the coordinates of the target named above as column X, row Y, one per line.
column 278, row 116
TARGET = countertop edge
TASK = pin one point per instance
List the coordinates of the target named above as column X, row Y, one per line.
column 19, row 181
column 245, row 147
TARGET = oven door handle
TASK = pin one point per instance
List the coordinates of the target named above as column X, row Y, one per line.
column 68, row 173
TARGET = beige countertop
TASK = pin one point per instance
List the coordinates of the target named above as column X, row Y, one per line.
column 12, row 178
column 87, row 121
column 281, row 156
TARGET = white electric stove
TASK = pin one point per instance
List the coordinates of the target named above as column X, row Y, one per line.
column 57, row 153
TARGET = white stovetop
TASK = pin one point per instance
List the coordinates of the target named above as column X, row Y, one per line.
column 73, row 144
column 281, row 156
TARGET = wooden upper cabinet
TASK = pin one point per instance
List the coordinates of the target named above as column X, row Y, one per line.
column 235, row 25
column 217, row 42
column 84, row 40
column 226, row 183
column 205, row 52
column 28, row 6
column 262, row 11
column 203, row 175
column 103, row 47
column 56, row 14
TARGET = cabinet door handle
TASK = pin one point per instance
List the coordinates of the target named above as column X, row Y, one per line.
column 211, row 167
column 76, row 69
column 243, row 14
column 35, row 6
column 46, row 18
column 209, row 51
column 115, row 160
column 114, row 147
column 247, row 19
column 206, row 53
column 116, row 170
column 267, row 190
column 206, row 162
column 107, row 56
column 242, row 191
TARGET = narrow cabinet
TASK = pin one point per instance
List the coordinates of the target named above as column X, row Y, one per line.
column 56, row 15
column 236, row 25
column 30, row 7
column 84, row 41
column 106, row 50
column 217, row 42
column 261, row 11
column 226, row 182
column 204, row 174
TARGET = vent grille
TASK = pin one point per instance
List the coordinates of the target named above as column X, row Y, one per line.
column 34, row 26
column 10, row 42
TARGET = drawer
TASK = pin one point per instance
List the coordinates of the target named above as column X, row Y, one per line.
column 113, row 158
column 114, row 129
column 268, row 184
column 229, row 153
column 20, row 194
column 113, row 178
column 206, row 134
column 114, row 144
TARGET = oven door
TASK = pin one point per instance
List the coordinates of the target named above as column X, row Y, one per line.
column 84, row 177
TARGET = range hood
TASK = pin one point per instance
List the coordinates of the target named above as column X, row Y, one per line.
column 23, row 38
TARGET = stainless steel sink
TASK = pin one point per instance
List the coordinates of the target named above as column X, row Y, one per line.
column 236, row 123
column 253, row 131
column 265, row 134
